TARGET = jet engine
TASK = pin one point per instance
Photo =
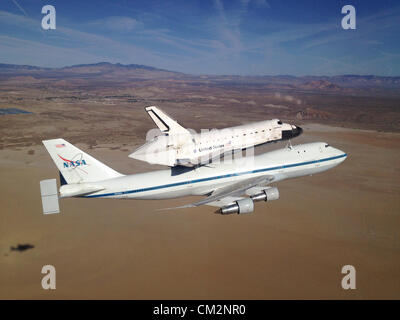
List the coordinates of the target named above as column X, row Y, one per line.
column 239, row 207
column 266, row 195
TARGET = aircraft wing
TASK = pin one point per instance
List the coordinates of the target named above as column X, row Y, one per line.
column 232, row 192
column 224, row 201
column 165, row 123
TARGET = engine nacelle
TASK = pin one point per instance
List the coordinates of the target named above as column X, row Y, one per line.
column 266, row 195
column 239, row 207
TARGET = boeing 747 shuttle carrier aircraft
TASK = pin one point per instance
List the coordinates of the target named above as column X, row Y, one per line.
column 178, row 146
column 233, row 187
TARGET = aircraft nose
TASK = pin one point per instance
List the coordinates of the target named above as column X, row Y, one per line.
column 293, row 133
column 341, row 154
column 344, row 155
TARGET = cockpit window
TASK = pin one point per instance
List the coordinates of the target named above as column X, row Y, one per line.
column 327, row 145
column 279, row 122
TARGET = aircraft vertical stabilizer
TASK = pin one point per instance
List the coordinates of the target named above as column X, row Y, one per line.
column 164, row 122
column 75, row 165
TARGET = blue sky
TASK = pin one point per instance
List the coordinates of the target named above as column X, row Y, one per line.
column 245, row 37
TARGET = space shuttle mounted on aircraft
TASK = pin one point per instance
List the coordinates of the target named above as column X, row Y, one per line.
column 233, row 187
column 177, row 146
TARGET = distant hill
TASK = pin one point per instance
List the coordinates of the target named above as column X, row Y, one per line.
column 108, row 65
column 4, row 66
column 130, row 72
column 320, row 85
column 350, row 80
column 73, row 75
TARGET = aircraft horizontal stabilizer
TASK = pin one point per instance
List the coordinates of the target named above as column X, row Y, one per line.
column 48, row 191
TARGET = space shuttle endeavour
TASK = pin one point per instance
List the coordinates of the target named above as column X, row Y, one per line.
column 178, row 146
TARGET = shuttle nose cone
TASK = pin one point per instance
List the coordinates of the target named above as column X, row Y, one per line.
column 296, row 131
column 289, row 134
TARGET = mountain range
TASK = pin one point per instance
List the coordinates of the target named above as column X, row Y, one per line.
column 137, row 71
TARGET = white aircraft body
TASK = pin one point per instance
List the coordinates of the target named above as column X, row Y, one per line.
column 179, row 146
column 225, row 185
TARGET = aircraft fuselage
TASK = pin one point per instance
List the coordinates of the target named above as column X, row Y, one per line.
column 291, row 162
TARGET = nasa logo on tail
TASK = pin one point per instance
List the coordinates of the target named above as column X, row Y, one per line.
column 73, row 163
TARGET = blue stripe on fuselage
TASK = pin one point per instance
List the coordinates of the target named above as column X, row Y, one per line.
column 214, row 178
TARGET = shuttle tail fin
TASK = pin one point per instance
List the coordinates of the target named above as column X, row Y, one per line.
column 76, row 166
column 165, row 123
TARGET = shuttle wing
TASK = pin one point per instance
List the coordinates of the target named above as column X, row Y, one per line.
column 165, row 123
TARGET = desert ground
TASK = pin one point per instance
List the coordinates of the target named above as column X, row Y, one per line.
column 290, row 248
column 293, row 248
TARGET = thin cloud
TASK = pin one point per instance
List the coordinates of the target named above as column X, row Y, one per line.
column 115, row 23
column 20, row 8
